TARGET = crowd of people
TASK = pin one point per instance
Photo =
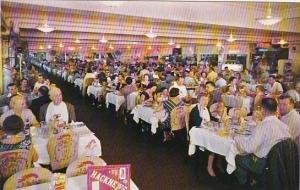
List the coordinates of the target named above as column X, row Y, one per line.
column 270, row 99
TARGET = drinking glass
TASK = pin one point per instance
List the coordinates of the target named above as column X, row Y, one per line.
column 43, row 124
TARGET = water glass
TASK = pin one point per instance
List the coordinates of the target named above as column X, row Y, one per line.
column 43, row 124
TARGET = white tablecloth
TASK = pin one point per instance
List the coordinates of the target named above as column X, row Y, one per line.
column 112, row 98
column 97, row 91
column 208, row 140
column 78, row 82
column 73, row 183
column 71, row 78
column 236, row 101
column 148, row 115
column 65, row 75
column 89, row 145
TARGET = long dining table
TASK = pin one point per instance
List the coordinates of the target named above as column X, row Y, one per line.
column 149, row 115
column 73, row 183
column 88, row 143
column 216, row 139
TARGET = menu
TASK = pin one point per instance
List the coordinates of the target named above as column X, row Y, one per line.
column 110, row 177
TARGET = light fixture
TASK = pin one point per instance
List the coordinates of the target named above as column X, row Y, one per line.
column 93, row 48
column 112, row 3
column 128, row 47
column 178, row 46
column 45, row 27
column 71, row 48
column 231, row 38
column 171, row 42
column 282, row 42
column 61, row 45
column 49, row 47
column 103, row 40
column 77, row 41
column 41, row 47
column 150, row 34
column 149, row 48
column 110, row 46
column 219, row 44
column 269, row 19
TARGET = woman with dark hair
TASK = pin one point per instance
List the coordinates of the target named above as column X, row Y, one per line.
column 14, row 137
column 115, row 85
column 145, row 81
column 233, row 85
column 43, row 93
column 24, row 87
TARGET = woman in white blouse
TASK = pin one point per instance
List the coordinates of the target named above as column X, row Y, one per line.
column 198, row 116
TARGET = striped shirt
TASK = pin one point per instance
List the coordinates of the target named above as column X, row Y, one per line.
column 292, row 119
column 269, row 132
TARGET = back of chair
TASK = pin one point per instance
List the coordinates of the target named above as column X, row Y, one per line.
column 13, row 161
column 79, row 167
column 283, row 166
column 28, row 177
column 131, row 101
column 179, row 118
column 62, row 149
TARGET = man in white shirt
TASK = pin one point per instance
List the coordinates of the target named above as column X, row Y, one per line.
column 220, row 81
column 40, row 82
column 180, row 85
column 57, row 108
column 289, row 115
column 254, row 149
column 275, row 88
column 295, row 93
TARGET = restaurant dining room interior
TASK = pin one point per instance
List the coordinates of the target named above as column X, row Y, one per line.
column 175, row 95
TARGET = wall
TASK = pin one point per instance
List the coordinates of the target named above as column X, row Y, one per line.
column 294, row 55
column 227, row 49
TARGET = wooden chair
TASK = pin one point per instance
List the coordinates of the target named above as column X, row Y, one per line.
column 28, row 177
column 13, row 161
column 62, row 149
column 80, row 166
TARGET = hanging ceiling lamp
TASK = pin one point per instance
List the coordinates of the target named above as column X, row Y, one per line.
column 45, row 27
column 282, row 42
column 103, row 40
column 113, row 3
column 231, row 38
column 150, row 34
column 171, row 43
column 219, row 44
column 110, row 46
column 269, row 19
column 77, row 41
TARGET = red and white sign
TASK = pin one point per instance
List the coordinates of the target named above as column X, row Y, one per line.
column 110, row 177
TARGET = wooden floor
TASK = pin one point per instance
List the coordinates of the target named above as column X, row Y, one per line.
column 154, row 165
